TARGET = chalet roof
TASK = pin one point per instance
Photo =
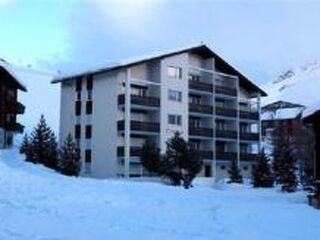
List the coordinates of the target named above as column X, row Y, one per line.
column 202, row 50
column 10, row 72
column 281, row 105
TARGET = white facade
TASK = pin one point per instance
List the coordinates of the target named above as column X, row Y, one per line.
column 182, row 92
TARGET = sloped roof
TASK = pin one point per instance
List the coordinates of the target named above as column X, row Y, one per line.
column 281, row 105
column 202, row 50
column 9, row 70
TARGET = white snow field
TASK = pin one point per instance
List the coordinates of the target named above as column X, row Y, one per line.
column 36, row 203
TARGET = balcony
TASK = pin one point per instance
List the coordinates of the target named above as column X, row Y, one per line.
column 225, row 90
column 202, row 132
column 226, row 134
column 226, row 112
column 248, row 156
column 226, row 155
column 249, row 115
column 134, row 151
column 140, row 100
column 204, row 154
column 200, row 108
column 13, row 127
column 140, row 126
column 201, row 86
column 247, row 136
column 12, row 107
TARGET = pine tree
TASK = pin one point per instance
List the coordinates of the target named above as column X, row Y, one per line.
column 69, row 163
column 289, row 177
column 261, row 173
column 25, row 144
column 150, row 156
column 235, row 173
column 44, row 145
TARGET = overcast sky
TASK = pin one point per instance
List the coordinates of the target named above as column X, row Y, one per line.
column 260, row 38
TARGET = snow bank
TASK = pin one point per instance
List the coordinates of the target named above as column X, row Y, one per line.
column 36, row 203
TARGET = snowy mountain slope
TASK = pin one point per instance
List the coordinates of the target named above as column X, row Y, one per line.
column 36, row 203
column 42, row 97
column 300, row 85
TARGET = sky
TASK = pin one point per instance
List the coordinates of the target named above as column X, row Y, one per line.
column 262, row 39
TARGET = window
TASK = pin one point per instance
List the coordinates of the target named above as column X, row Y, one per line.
column 88, row 156
column 88, row 132
column 195, row 99
column 78, row 108
column 220, row 125
column 78, row 95
column 175, row 72
column 89, row 94
column 175, row 95
column 78, row 84
column 89, row 82
column 174, row 119
column 243, row 127
column 195, row 122
column 77, row 131
column 245, row 168
column 207, row 171
column 223, row 167
column 89, row 107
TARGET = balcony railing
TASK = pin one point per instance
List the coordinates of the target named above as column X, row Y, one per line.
column 203, row 132
column 140, row 100
column 227, row 112
column 226, row 90
column 204, row 154
column 226, row 155
column 12, row 107
column 201, row 86
column 248, row 156
column 13, row 126
column 249, row 136
column 134, row 151
column 226, row 134
column 140, row 126
column 249, row 115
column 200, row 108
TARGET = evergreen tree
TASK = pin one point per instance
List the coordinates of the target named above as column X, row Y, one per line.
column 69, row 163
column 235, row 173
column 25, row 144
column 180, row 164
column 150, row 156
column 261, row 173
column 289, row 177
column 44, row 145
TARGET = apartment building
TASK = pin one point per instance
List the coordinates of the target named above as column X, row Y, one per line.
column 9, row 105
column 111, row 111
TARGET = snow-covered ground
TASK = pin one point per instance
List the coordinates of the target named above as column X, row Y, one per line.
column 36, row 203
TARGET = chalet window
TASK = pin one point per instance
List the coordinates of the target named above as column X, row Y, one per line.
column 89, row 107
column 175, row 72
column 89, row 82
column 78, row 84
column 88, row 132
column 78, row 108
column 88, row 156
column 175, row 119
column 174, row 95
column 77, row 131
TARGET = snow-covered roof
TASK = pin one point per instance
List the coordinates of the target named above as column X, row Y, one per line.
column 281, row 114
column 313, row 108
column 200, row 48
column 10, row 69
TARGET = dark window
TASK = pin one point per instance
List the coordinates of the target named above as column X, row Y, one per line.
column 79, row 96
column 77, row 131
column 89, row 107
column 88, row 156
column 88, row 131
column 223, row 167
column 78, row 108
column 78, row 84
column 89, row 82
column 78, row 153
column 245, row 168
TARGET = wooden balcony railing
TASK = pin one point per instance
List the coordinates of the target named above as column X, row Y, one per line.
column 140, row 100
column 140, row 126
column 12, row 126
column 201, row 86
column 226, row 134
column 200, row 108
column 226, row 90
column 227, row 112
column 249, row 136
column 204, row 132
